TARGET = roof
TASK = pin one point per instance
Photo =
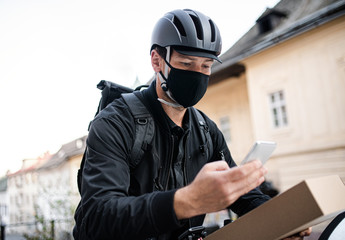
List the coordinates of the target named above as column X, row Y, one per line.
column 295, row 17
column 30, row 165
column 68, row 150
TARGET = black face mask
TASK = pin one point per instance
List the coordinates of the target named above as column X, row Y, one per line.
column 186, row 87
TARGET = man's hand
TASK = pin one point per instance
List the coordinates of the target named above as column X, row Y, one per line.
column 216, row 187
column 300, row 235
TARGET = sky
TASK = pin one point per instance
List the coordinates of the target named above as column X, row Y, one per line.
column 53, row 53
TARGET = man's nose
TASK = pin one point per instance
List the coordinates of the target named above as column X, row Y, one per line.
column 197, row 68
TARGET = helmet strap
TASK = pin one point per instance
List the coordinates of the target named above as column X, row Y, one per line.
column 162, row 78
column 167, row 59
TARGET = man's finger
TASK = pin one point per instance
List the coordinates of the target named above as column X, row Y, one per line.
column 238, row 173
column 306, row 232
column 217, row 166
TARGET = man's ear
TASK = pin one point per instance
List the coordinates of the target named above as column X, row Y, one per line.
column 156, row 61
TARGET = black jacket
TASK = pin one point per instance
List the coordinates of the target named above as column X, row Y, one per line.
column 122, row 203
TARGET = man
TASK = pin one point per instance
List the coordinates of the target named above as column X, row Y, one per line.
column 181, row 178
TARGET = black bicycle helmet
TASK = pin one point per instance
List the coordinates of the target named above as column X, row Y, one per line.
column 188, row 32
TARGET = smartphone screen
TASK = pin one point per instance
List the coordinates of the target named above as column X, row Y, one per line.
column 261, row 150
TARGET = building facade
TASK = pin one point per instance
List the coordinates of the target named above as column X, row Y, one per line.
column 22, row 194
column 43, row 194
column 286, row 83
column 58, row 194
column 4, row 202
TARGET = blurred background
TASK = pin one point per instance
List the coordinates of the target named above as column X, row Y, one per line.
column 282, row 79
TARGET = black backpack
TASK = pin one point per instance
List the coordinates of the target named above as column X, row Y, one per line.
column 144, row 124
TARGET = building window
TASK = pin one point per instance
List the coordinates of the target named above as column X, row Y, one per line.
column 278, row 109
column 225, row 128
column 3, row 210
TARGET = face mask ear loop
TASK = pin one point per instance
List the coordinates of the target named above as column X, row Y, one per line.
column 163, row 81
column 167, row 59
column 166, row 71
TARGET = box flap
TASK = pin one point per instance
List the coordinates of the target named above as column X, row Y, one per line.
column 306, row 204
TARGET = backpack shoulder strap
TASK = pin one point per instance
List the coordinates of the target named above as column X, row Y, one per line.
column 205, row 133
column 144, row 128
column 144, row 132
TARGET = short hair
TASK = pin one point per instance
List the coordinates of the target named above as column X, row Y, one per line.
column 162, row 51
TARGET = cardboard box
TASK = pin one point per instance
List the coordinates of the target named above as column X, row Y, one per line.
column 304, row 205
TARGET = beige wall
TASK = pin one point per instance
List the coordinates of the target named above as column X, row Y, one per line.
column 230, row 98
column 74, row 164
column 310, row 69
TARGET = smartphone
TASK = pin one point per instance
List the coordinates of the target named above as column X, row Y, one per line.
column 261, row 150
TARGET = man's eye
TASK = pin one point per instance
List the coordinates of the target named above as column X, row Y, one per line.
column 187, row 64
column 206, row 66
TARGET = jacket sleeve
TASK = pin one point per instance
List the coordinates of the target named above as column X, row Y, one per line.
column 107, row 209
column 250, row 200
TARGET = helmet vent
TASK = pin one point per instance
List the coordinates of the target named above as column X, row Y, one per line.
column 179, row 26
column 198, row 27
column 213, row 31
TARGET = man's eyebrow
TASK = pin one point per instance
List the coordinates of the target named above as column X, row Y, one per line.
column 194, row 57
column 187, row 57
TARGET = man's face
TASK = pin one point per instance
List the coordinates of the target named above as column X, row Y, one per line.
column 187, row 88
column 191, row 63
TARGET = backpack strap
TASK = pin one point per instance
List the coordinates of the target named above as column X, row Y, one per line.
column 144, row 132
column 205, row 134
column 144, row 128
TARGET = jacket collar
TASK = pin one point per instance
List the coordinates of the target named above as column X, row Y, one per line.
column 150, row 98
